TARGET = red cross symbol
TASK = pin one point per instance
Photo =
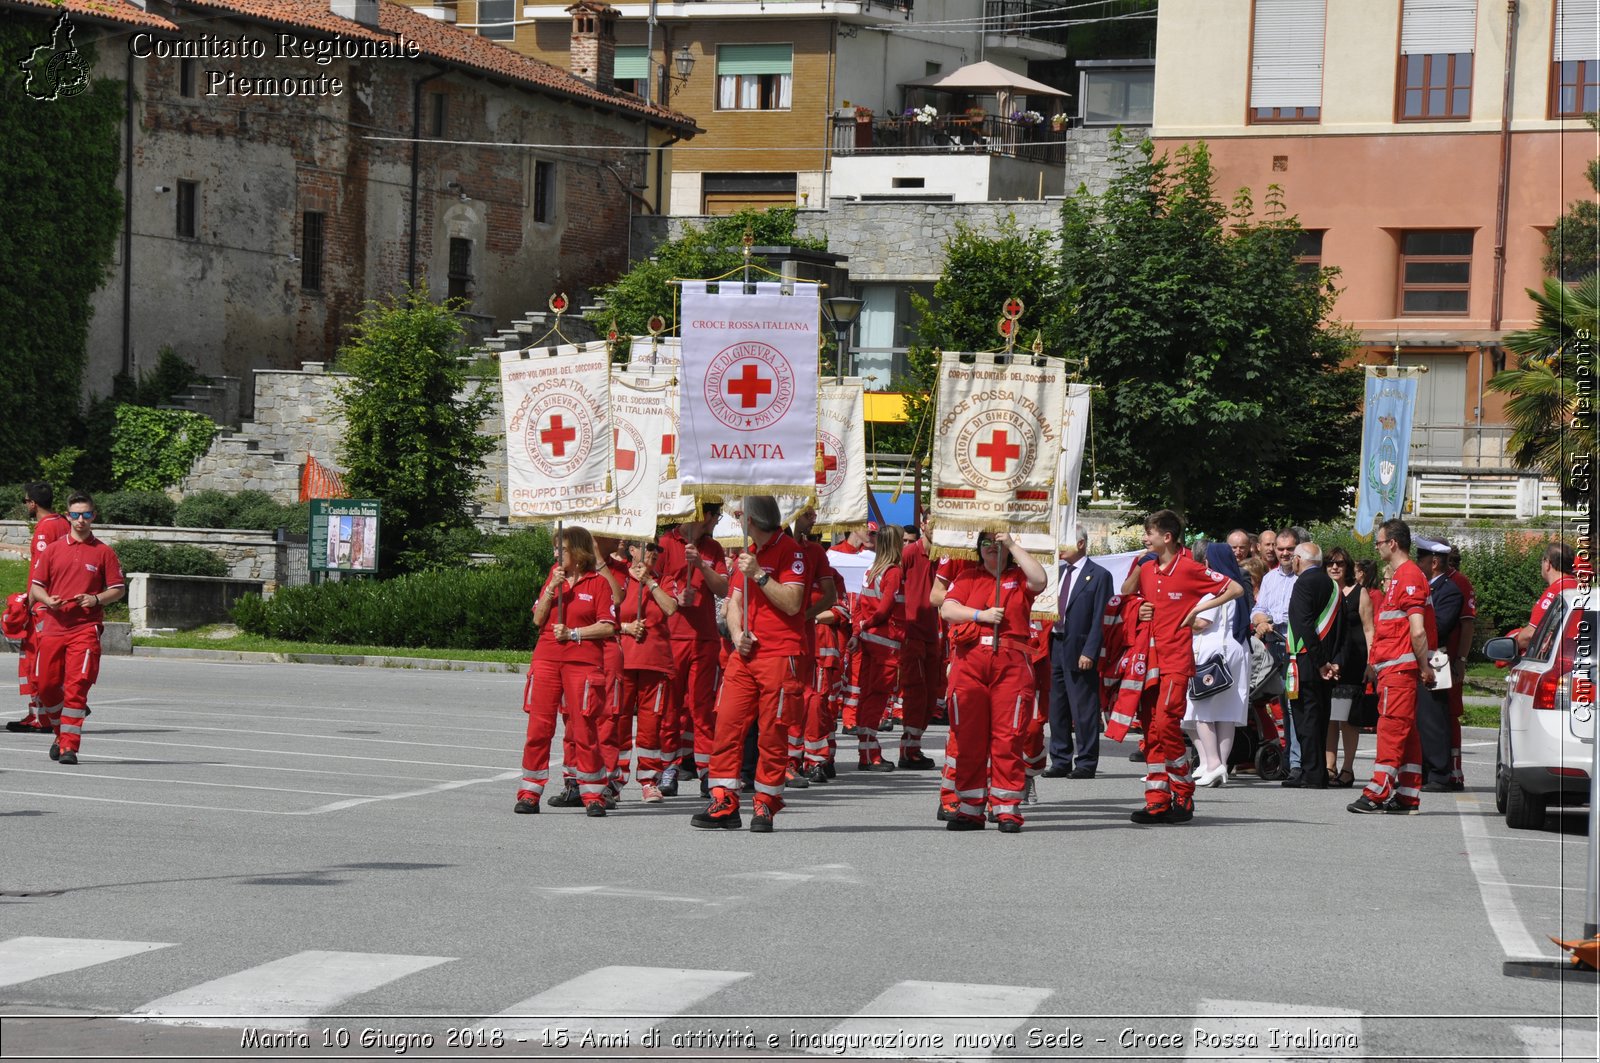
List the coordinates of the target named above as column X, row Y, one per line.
column 750, row 385
column 830, row 462
column 626, row 459
column 668, row 442
column 558, row 436
column 999, row 450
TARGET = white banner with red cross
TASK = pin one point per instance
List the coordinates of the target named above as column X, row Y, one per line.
column 842, row 458
column 559, row 442
column 1069, row 467
column 644, row 434
column 997, row 442
column 747, row 405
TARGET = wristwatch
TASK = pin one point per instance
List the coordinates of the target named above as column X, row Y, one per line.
column 761, row 580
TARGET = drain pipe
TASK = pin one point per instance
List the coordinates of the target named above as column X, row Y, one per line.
column 1496, row 310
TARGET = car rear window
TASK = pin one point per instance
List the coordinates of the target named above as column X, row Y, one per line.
column 1550, row 625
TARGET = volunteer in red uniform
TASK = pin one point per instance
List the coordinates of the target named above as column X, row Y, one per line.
column 74, row 579
column 944, row 575
column 991, row 679
column 693, row 562
column 763, row 681
column 919, row 654
column 1172, row 584
column 575, row 612
column 48, row 527
column 647, row 665
column 1556, row 567
column 825, row 588
column 831, row 629
column 879, row 622
column 1399, row 656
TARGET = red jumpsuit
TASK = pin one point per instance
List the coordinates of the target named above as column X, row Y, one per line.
column 647, row 668
column 823, row 573
column 879, row 622
column 946, row 572
column 69, row 635
column 1172, row 590
column 1397, row 772
column 568, row 677
column 695, row 645
column 1033, row 757
column 766, row 687
column 822, row 704
column 51, row 526
column 991, row 695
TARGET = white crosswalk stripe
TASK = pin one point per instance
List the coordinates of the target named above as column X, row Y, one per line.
column 283, row 994
column 1550, row 1043
column 26, row 958
column 946, row 1019
column 1261, row 1029
column 641, row 995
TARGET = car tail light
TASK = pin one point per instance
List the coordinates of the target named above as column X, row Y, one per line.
column 1576, row 773
column 1546, row 689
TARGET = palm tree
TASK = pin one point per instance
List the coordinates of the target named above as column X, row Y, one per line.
column 1550, row 429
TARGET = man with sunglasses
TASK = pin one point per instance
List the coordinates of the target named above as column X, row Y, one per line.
column 74, row 579
column 48, row 527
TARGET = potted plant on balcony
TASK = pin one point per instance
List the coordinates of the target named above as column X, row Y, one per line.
column 863, row 126
column 1058, row 123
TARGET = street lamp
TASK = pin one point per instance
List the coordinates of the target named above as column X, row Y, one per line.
column 841, row 312
column 683, row 62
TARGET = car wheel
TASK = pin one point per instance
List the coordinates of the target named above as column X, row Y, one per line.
column 1502, row 773
column 1524, row 811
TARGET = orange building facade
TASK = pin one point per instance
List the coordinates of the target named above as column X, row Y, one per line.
column 1386, row 124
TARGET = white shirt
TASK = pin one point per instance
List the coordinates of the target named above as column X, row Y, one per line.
column 1276, row 587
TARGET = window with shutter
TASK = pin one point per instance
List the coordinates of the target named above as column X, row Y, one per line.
column 1435, row 272
column 1435, row 74
column 632, row 68
column 1286, row 61
column 1575, row 66
column 755, row 77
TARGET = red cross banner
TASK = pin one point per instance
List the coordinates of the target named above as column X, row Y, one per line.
column 645, row 436
column 560, row 441
column 841, row 457
column 747, row 404
column 997, row 443
column 1069, row 467
column 652, row 354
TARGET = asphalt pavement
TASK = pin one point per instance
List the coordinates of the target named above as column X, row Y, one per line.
column 299, row 861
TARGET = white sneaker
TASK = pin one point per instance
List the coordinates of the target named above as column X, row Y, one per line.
column 650, row 793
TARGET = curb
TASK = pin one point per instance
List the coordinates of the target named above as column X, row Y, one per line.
column 430, row 664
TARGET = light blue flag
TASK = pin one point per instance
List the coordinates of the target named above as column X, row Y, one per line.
column 1385, row 446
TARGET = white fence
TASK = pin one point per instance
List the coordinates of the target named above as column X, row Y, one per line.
column 1468, row 497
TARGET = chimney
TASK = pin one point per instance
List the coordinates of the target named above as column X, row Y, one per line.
column 362, row 11
column 594, row 43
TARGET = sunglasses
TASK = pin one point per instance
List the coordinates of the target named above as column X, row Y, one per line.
column 87, row 514
column 1336, row 564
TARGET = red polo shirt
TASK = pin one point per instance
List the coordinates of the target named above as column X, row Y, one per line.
column 654, row 652
column 777, row 634
column 974, row 588
column 1551, row 595
column 588, row 601
column 51, row 526
column 922, row 619
column 697, row 622
column 1173, row 590
column 1405, row 594
column 68, row 568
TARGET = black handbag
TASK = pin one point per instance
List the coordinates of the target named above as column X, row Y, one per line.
column 1210, row 678
column 1364, row 711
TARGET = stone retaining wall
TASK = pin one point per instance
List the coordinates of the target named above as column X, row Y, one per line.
column 254, row 555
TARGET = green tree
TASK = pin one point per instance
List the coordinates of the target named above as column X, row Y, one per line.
column 1222, row 393
column 60, row 213
column 982, row 270
column 647, row 289
column 411, row 438
column 1552, row 427
column 1573, row 245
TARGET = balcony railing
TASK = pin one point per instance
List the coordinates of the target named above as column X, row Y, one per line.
column 1025, row 18
column 961, row 134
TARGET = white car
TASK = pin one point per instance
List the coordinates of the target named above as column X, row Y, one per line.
column 1547, row 722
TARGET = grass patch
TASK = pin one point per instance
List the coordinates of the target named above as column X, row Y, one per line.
column 13, row 577
column 199, row 639
column 1481, row 716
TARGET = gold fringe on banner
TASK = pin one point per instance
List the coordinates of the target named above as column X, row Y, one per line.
column 994, row 524
column 722, row 492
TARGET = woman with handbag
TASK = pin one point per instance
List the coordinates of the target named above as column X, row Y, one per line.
column 1351, row 656
column 1219, row 691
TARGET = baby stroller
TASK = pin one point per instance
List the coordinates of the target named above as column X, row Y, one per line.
column 1259, row 743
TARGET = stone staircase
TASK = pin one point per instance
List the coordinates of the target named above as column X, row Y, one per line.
column 535, row 327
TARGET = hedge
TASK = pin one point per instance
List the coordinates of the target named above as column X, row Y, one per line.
column 149, row 508
column 142, row 555
column 480, row 609
column 246, row 509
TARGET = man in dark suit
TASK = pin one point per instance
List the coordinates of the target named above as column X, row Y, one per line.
column 1075, row 722
column 1433, row 706
column 1315, row 622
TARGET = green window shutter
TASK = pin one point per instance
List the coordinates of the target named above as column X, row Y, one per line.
column 755, row 59
column 632, row 63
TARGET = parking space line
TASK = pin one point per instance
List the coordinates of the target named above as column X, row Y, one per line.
column 108, row 740
column 62, row 774
column 1504, row 918
column 454, row 726
column 150, row 804
column 336, row 738
column 437, row 789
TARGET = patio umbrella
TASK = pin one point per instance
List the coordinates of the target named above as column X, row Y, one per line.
column 985, row 78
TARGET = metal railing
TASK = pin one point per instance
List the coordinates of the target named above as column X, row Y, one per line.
column 947, row 134
column 1025, row 18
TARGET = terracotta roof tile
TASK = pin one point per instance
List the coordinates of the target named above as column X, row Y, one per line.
column 441, row 41
column 101, row 10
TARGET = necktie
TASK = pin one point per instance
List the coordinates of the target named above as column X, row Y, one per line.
column 1066, row 589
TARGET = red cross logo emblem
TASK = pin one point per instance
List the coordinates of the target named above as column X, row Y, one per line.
column 830, row 462
column 627, row 460
column 749, row 386
column 557, row 436
column 999, row 450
